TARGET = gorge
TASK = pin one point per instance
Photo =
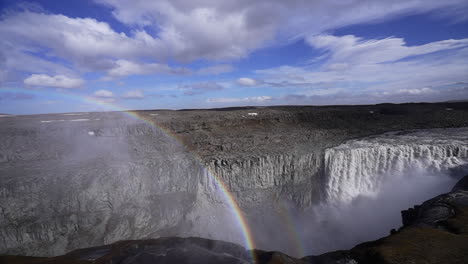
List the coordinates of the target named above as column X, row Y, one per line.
column 300, row 180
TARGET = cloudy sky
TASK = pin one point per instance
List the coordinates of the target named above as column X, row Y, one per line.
column 88, row 55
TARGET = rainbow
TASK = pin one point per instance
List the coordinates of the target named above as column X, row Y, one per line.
column 291, row 227
column 228, row 195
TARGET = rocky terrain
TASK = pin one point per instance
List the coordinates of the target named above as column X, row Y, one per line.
column 70, row 181
column 434, row 232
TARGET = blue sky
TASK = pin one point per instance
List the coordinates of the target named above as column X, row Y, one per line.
column 91, row 55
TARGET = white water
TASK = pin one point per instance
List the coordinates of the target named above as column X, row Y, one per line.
column 369, row 181
column 360, row 167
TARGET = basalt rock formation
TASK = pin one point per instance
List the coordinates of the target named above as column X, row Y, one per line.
column 70, row 181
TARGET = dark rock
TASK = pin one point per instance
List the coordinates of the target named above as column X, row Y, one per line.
column 462, row 184
column 435, row 212
column 161, row 251
column 408, row 216
column 274, row 257
column 335, row 257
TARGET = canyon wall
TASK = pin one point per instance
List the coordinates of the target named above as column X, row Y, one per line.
column 72, row 182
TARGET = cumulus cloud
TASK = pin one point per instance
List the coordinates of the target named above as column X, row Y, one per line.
column 200, row 88
column 88, row 44
column 13, row 59
column 220, row 32
column 211, row 29
column 199, row 30
column 104, row 94
column 247, row 82
column 253, row 99
column 122, row 68
column 84, row 42
column 74, row 38
column 59, row 81
column 134, row 94
column 187, row 31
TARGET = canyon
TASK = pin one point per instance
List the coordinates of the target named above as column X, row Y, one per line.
column 301, row 180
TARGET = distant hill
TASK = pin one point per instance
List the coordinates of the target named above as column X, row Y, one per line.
column 457, row 101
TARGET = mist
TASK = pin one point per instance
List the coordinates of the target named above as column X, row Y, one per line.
column 330, row 227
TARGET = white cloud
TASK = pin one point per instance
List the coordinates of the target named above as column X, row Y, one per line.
column 79, row 39
column 221, row 31
column 122, row 68
column 103, row 94
column 247, row 81
column 199, row 30
column 13, row 59
column 187, row 31
column 134, row 94
column 212, row 29
column 88, row 44
column 59, row 81
column 254, row 99
column 346, row 50
column 356, row 65
column 414, row 91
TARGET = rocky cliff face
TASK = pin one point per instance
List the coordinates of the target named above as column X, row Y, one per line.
column 69, row 182
column 436, row 232
column 63, row 188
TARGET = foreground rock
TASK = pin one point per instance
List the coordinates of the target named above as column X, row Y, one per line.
column 162, row 250
column 434, row 232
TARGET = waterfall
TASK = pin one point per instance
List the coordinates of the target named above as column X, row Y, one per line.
column 368, row 181
column 359, row 167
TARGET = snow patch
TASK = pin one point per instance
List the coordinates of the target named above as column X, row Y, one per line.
column 51, row 121
column 72, row 120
